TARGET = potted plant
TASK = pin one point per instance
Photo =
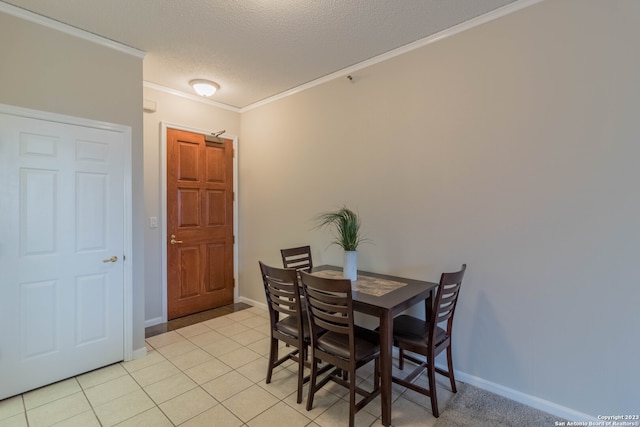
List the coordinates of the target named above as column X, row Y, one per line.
column 346, row 230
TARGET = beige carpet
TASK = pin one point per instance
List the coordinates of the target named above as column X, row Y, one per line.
column 475, row 407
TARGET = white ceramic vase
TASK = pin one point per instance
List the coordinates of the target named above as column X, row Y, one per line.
column 350, row 266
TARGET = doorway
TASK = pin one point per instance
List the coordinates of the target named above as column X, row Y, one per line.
column 199, row 225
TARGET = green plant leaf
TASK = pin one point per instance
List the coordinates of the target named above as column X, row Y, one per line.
column 345, row 227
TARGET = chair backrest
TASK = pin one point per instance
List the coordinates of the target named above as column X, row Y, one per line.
column 298, row 258
column 446, row 299
column 282, row 292
column 329, row 306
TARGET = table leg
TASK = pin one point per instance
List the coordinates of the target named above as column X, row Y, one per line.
column 428, row 304
column 386, row 365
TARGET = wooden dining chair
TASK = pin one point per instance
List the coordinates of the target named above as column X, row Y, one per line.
column 287, row 318
column 298, row 258
column 426, row 338
column 343, row 346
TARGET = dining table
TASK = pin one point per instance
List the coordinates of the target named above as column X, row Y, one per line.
column 385, row 297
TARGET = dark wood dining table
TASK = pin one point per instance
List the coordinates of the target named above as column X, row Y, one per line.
column 385, row 307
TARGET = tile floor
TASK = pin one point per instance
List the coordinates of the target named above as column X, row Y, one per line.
column 210, row 373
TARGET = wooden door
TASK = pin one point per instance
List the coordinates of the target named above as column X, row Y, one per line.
column 61, row 256
column 199, row 223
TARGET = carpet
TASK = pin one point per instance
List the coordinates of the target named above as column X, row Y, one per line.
column 472, row 406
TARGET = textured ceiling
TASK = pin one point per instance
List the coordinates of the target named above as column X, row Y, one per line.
column 256, row 49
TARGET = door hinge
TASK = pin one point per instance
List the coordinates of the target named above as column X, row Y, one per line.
column 124, row 257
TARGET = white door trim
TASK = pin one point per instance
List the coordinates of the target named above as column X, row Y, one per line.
column 128, row 218
column 163, row 206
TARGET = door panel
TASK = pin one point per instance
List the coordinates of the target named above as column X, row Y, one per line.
column 38, row 319
column 200, row 217
column 188, row 207
column 190, row 269
column 92, row 311
column 61, row 215
column 216, row 207
column 216, row 275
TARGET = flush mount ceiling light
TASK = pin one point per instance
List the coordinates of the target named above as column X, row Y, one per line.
column 204, row 87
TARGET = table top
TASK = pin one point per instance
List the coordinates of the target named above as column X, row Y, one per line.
column 366, row 284
column 395, row 301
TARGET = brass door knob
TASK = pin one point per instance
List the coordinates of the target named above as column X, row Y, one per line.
column 173, row 240
column 112, row 259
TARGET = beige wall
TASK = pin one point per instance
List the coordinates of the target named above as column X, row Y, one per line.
column 44, row 69
column 512, row 147
column 184, row 112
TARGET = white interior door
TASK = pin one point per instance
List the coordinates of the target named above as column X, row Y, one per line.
column 61, row 222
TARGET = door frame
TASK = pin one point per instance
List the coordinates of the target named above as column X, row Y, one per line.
column 127, row 202
column 163, row 206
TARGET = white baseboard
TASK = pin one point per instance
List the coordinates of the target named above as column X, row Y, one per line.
column 140, row 352
column 526, row 399
column 257, row 304
column 152, row 322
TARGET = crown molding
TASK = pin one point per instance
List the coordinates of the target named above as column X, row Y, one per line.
column 196, row 98
column 68, row 29
column 464, row 26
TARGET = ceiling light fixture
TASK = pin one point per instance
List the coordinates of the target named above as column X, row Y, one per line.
column 204, row 87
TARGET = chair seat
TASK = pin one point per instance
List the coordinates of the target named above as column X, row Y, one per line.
column 289, row 326
column 366, row 342
column 415, row 331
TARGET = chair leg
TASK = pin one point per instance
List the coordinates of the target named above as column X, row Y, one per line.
column 312, row 382
column 450, row 365
column 352, row 399
column 401, row 359
column 273, row 356
column 376, row 374
column 431, row 373
column 301, row 359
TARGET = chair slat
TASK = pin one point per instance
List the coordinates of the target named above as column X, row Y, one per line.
column 298, row 258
